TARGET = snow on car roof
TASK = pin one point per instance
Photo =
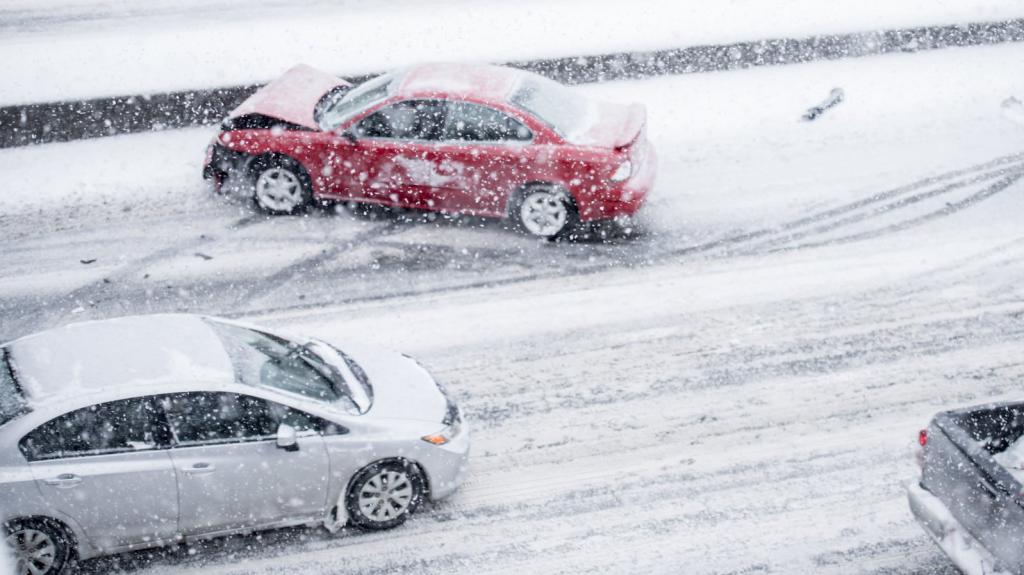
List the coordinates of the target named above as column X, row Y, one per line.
column 138, row 350
column 480, row 80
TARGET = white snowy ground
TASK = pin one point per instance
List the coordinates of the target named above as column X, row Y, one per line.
column 73, row 49
column 737, row 390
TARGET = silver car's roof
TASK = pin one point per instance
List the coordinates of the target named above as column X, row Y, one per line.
column 139, row 351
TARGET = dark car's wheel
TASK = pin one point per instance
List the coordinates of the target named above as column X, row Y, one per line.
column 545, row 210
column 39, row 547
column 280, row 186
column 384, row 494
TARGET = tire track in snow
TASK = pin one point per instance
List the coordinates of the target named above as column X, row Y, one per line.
column 313, row 264
column 948, row 209
column 1012, row 175
column 830, row 219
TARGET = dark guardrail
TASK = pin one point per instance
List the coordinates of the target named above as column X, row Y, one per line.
column 72, row 120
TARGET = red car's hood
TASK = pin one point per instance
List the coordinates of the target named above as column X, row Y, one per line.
column 292, row 97
column 613, row 125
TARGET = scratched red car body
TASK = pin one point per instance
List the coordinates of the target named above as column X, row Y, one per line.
column 455, row 138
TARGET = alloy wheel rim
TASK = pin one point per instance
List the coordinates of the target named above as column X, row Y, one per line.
column 35, row 552
column 544, row 213
column 279, row 189
column 385, row 496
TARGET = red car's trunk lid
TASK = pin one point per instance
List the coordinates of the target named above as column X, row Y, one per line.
column 614, row 126
column 292, row 97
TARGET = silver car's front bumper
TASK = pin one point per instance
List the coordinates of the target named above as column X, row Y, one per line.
column 962, row 548
column 448, row 466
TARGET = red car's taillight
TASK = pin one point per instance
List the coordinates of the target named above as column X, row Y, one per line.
column 922, row 437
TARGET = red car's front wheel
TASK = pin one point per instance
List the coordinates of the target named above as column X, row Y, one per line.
column 280, row 186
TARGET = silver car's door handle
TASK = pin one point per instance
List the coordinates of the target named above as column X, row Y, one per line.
column 64, row 480
column 200, row 469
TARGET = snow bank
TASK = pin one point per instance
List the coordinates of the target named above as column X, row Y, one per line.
column 75, row 49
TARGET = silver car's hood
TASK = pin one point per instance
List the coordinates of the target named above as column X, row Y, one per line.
column 402, row 389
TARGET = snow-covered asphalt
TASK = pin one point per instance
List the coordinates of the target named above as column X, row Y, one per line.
column 736, row 388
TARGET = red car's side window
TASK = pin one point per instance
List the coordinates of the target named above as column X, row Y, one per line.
column 469, row 122
column 406, row 120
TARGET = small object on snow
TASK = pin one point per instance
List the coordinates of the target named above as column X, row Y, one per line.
column 87, row 262
column 106, row 280
column 834, row 98
column 204, row 256
column 1013, row 109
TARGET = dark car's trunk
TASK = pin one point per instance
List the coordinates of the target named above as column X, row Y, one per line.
column 982, row 495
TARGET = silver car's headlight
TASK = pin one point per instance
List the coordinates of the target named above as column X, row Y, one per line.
column 452, row 427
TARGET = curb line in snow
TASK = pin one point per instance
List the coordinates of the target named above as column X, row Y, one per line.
column 79, row 119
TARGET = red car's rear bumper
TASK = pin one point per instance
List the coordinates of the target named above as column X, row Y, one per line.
column 625, row 199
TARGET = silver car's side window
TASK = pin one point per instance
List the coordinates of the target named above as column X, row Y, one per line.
column 204, row 418
column 115, row 427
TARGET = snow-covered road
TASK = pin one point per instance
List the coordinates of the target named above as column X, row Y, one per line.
column 737, row 389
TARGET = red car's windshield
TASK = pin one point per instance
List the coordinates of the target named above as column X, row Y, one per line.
column 341, row 107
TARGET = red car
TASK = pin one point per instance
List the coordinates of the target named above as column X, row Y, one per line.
column 453, row 138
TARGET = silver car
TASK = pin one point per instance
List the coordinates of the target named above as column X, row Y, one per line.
column 143, row 431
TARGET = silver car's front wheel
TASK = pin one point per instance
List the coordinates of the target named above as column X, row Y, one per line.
column 383, row 495
column 37, row 549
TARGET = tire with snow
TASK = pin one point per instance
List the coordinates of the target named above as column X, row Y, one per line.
column 384, row 494
column 545, row 211
column 280, row 186
column 39, row 547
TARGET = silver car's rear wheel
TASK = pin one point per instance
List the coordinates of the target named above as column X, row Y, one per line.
column 38, row 549
column 384, row 495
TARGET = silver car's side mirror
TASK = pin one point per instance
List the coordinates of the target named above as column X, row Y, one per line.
column 286, row 438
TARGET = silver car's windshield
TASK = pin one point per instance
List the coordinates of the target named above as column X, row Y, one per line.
column 555, row 104
column 262, row 359
column 336, row 110
column 12, row 402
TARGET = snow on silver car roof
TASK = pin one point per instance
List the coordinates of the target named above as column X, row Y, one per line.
column 138, row 350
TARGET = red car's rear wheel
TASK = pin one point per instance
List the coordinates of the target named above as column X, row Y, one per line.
column 545, row 211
